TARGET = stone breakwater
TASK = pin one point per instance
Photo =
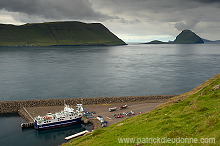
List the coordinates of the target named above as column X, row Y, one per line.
column 10, row 107
column 95, row 122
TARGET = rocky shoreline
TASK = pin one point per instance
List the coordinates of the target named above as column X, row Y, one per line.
column 11, row 107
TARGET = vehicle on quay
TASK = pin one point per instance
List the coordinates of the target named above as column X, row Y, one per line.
column 102, row 120
column 112, row 109
column 119, row 116
column 124, row 106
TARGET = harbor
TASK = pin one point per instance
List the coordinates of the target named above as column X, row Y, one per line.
column 94, row 111
column 97, row 111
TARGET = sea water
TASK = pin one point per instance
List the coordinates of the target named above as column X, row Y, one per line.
column 12, row 134
column 29, row 73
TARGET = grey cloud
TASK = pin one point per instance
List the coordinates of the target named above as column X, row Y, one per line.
column 168, row 15
column 208, row 1
column 183, row 13
column 54, row 9
column 133, row 21
column 150, row 10
column 188, row 24
column 101, row 10
column 154, row 5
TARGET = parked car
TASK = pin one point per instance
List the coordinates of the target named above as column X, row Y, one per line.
column 87, row 114
column 124, row 106
column 119, row 116
column 93, row 112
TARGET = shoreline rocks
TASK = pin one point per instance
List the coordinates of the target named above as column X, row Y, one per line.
column 12, row 107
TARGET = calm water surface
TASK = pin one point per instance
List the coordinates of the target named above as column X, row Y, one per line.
column 28, row 73
column 69, row 72
column 11, row 133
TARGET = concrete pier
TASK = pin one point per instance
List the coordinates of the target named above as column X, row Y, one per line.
column 9, row 107
column 25, row 114
column 27, row 125
column 76, row 135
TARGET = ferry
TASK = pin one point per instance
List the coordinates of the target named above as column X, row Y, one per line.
column 66, row 117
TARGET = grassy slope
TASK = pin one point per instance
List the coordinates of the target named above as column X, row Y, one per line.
column 196, row 115
column 57, row 33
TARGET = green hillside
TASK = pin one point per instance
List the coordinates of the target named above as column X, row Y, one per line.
column 188, row 37
column 57, row 33
column 195, row 115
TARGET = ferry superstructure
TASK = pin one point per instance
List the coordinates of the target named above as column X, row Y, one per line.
column 66, row 117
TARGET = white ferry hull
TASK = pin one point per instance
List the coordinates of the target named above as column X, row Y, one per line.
column 57, row 124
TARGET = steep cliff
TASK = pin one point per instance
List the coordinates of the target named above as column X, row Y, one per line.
column 57, row 33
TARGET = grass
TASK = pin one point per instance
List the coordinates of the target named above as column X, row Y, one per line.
column 195, row 114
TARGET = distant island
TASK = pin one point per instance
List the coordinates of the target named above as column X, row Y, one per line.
column 57, row 33
column 185, row 37
column 156, row 42
column 188, row 37
column 210, row 42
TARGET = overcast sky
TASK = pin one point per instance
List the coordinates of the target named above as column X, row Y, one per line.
column 130, row 20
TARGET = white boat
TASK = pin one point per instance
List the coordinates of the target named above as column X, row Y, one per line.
column 112, row 109
column 66, row 117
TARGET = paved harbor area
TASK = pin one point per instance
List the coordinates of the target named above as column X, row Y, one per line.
column 102, row 109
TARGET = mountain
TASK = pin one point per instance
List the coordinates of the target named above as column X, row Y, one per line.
column 57, row 33
column 188, row 37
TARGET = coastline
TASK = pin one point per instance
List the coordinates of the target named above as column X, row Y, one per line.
column 12, row 107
